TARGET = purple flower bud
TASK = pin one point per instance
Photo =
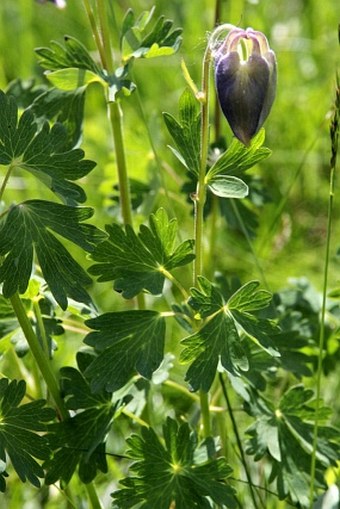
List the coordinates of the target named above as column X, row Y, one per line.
column 246, row 85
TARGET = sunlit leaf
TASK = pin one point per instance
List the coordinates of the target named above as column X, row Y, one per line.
column 139, row 40
column 137, row 262
column 167, row 473
column 218, row 338
column 126, row 342
column 283, row 433
column 72, row 54
column 72, row 78
column 21, row 428
column 79, row 441
column 226, row 186
column 27, row 229
column 42, row 151
column 238, row 157
column 186, row 132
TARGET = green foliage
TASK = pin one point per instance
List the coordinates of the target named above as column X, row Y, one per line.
column 251, row 213
column 140, row 262
column 52, row 104
column 20, row 432
column 126, row 342
column 26, row 229
column 238, row 157
column 169, row 473
column 139, row 40
column 79, row 441
column 186, row 132
column 228, row 186
column 72, row 54
column 284, row 434
column 42, row 152
column 218, row 337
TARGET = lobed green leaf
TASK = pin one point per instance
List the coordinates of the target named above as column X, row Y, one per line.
column 125, row 342
column 138, row 262
column 219, row 337
column 27, row 229
column 21, row 430
column 239, row 158
column 42, row 151
column 186, row 132
column 167, row 474
column 138, row 40
column 79, row 441
column 284, row 434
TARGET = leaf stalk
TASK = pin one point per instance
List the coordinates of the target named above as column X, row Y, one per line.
column 39, row 355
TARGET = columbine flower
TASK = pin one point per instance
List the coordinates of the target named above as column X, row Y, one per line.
column 245, row 77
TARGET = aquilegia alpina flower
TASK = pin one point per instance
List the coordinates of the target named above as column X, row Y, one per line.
column 245, row 78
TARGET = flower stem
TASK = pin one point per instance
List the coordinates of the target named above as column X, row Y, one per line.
column 115, row 113
column 334, row 134
column 39, row 355
column 199, row 201
column 6, row 178
column 93, row 496
column 238, row 441
column 200, row 196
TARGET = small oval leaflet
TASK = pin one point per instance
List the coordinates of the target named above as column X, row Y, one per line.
column 228, row 186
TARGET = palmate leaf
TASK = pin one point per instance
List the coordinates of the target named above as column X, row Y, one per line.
column 168, row 474
column 21, row 430
column 70, row 66
column 72, row 54
column 138, row 262
column 52, row 104
column 138, row 40
column 218, row 339
column 284, row 434
column 238, row 158
column 186, row 132
column 42, row 152
column 27, row 229
column 126, row 342
column 79, row 441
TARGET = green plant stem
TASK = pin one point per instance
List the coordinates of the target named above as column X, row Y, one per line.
column 95, row 32
column 124, row 188
column 6, row 178
column 93, row 496
column 39, row 355
column 175, row 282
column 200, row 196
column 238, row 441
column 334, row 132
column 115, row 115
column 105, row 35
column 199, row 201
column 41, row 326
